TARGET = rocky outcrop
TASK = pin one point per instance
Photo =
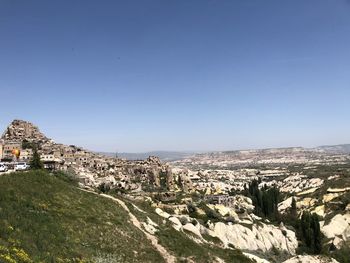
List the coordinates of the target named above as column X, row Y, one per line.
column 298, row 183
column 184, row 181
column 338, row 226
column 338, row 190
column 311, row 259
column 285, row 205
column 259, row 237
column 329, row 197
column 171, row 185
column 255, row 258
column 19, row 130
column 161, row 213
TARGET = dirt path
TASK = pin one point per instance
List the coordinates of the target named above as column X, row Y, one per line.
column 154, row 241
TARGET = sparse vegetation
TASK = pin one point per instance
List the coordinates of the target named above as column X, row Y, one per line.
column 50, row 220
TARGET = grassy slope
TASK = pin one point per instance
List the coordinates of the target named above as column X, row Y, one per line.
column 53, row 221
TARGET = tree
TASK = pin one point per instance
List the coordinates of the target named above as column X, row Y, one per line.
column 293, row 209
column 35, row 162
column 265, row 200
column 311, row 233
column 317, row 238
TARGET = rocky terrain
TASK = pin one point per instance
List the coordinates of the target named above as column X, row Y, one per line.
column 316, row 179
column 278, row 156
column 242, row 206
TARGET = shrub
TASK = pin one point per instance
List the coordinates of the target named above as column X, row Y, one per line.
column 104, row 188
column 191, row 208
column 183, row 220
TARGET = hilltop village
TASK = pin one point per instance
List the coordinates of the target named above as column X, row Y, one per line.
column 91, row 169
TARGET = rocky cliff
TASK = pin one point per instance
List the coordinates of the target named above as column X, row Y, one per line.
column 20, row 130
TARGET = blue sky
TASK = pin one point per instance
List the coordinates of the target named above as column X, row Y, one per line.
column 178, row 75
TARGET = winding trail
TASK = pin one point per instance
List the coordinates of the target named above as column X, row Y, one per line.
column 154, row 241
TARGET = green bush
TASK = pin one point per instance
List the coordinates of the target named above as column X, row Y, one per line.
column 35, row 162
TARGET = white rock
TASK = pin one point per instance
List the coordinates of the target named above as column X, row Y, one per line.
column 150, row 222
column 338, row 190
column 310, row 259
column 191, row 228
column 150, row 226
column 336, row 226
column 261, row 237
column 319, row 210
column 162, row 213
column 346, row 234
column 286, row 204
column 337, row 242
column 309, row 191
column 176, row 223
column 329, row 197
column 255, row 258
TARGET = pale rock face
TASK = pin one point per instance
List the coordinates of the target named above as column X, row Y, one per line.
column 310, row 259
column 243, row 202
column 337, row 242
column 183, row 176
column 207, row 191
column 225, row 211
column 346, row 233
column 150, row 226
column 154, row 176
column 306, row 203
column 255, row 258
column 286, row 204
column 329, row 197
column 170, row 179
column 19, row 130
column 319, row 210
column 262, row 237
column 176, row 223
column 193, row 229
column 347, row 208
column 333, row 177
column 337, row 226
column 87, row 178
column 110, row 180
column 338, row 190
column 297, row 183
column 162, row 213
column 308, row 191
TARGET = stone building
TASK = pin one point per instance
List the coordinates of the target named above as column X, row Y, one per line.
column 8, row 147
column 26, row 155
column 1, row 150
column 225, row 200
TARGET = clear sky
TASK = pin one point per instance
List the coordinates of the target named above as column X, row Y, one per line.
column 178, row 75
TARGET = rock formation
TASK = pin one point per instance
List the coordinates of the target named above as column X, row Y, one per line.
column 20, row 130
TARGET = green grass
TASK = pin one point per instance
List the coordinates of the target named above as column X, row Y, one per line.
column 53, row 221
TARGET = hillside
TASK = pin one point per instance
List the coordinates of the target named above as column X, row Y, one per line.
column 165, row 156
column 52, row 220
column 46, row 218
column 342, row 148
